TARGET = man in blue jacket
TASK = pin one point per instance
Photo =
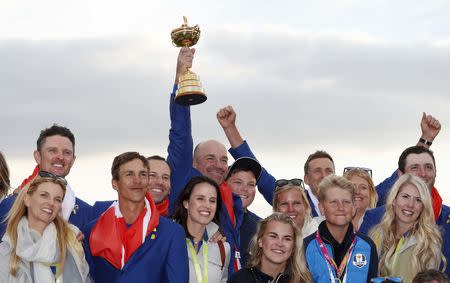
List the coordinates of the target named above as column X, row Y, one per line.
column 54, row 154
column 131, row 242
column 209, row 158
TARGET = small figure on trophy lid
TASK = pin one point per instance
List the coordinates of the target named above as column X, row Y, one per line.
column 190, row 90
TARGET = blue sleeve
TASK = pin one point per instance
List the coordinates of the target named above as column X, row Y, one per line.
column 371, row 218
column 266, row 183
column 5, row 207
column 81, row 214
column 86, row 230
column 177, row 268
column 373, row 267
column 100, row 206
column 384, row 187
column 180, row 148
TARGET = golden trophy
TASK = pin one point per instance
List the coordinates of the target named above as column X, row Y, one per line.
column 190, row 90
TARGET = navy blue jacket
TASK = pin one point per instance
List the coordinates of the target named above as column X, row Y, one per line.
column 180, row 160
column 161, row 259
column 248, row 229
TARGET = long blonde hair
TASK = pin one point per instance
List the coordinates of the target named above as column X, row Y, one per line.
column 427, row 252
column 296, row 262
column 65, row 234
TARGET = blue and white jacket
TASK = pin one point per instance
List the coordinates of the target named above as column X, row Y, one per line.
column 362, row 264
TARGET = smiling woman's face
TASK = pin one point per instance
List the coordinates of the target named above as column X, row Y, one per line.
column 43, row 205
column 277, row 243
column 362, row 193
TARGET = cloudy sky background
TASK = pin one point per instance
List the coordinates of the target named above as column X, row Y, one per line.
column 350, row 77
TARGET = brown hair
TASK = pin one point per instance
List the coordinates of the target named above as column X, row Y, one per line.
column 4, row 176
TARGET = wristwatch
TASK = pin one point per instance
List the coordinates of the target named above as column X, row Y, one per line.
column 424, row 141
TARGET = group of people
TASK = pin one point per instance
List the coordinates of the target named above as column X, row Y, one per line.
column 186, row 218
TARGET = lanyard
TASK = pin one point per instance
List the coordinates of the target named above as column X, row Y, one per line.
column 330, row 261
column 198, row 272
column 397, row 249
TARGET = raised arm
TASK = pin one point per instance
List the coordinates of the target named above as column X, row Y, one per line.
column 227, row 119
column 180, row 135
column 430, row 127
column 239, row 148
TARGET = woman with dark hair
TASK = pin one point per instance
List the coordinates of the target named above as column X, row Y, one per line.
column 4, row 178
column 39, row 245
column 198, row 211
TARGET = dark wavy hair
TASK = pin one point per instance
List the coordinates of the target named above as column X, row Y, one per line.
column 180, row 215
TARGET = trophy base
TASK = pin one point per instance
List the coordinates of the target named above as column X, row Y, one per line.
column 192, row 98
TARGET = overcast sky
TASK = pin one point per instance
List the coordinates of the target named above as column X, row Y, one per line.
column 349, row 77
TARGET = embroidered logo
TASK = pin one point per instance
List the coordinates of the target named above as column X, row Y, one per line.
column 359, row 260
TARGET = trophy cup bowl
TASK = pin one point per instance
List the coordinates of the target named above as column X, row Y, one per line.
column 190, row 90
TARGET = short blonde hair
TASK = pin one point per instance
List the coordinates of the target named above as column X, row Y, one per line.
column 332, row 181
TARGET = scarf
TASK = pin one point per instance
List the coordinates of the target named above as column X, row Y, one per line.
column 436, row 201
column 41, row 251
column 112, row 239
column 69, row 201
column 163, row 207
column 227, row 199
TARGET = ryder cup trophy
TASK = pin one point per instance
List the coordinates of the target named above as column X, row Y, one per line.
column 190, row 90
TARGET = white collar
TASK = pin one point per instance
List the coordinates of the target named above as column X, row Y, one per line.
column 314, row 200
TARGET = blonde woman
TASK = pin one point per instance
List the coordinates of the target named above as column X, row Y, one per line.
column 290, row 198
column 40, row 246
column 407, row 238
column 277, row 254
column 366, row 196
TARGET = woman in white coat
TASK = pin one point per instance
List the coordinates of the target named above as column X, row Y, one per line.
column 39, row 245
column 198, row 211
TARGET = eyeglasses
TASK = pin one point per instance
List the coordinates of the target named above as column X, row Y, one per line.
column 284, row 182
column 46, row 174
column 367, row 170
column 386, row 280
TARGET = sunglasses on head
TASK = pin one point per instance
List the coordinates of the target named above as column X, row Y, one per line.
column 367, row 170
column 46, row 174
column 284, row 182
column 386, row 280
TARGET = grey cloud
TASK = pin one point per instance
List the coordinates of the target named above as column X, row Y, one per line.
column 288, row 89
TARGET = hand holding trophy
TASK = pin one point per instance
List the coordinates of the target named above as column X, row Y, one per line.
column 190, row 90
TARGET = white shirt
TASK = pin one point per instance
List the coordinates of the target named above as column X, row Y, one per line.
column 314, row 200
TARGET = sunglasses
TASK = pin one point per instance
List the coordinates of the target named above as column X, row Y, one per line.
column 367, row 170
column 284, row 182
column 386, row 280
column 45, row 174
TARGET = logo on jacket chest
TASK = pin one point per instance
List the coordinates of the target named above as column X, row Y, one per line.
column 359, row 260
